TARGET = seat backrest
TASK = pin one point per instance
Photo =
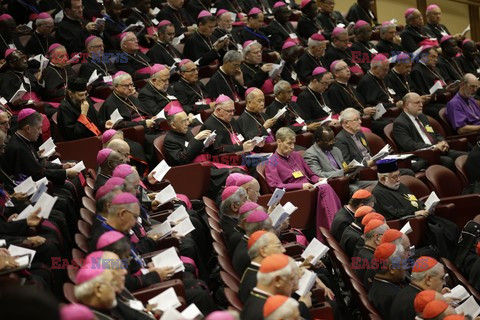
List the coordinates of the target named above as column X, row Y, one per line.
column 68, row 292
column 158, row 144
column 436, row 126
column 82, row 149
column 136, row 133
column 212, row 214
column 305, row 139
column 388, row 130
column 89, row 204
column 86, row 216
column 229, row 281
column 72, row 274
column 219, row 249
column 461, row 172
column 375, row 143
column 78, row 256
column 445, row 122
column 89, row 192
column 443, row 181
column 262, row 179
column 226, row 265
column 214, row 225
column 84, row 228
column 217, row 237
column 233, row 299
column 210, row 204
column 415, row 185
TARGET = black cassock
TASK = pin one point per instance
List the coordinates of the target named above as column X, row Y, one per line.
column 363, row 53
column 399, row 83
column 223, row 142
column 329, row 21
column 449, row 69
column 253, row 308
column 12, row 80
column 112, row 29
column 233, row 45
column 342, row 96
column 134, row 62
column 234, row 6
column 38, row 44
column 240, row 258
column 72, row 34
column 138, row 16
column 424, row 78
column 402, row 307
column 251, row 124
column 388, row 48
column 356, row 13
column 289, row 74
column 164, row 53
column 362, row 260
column 395, row 204
column 288, row 118
column 278, row 33
column 192, row 96
column 253, row 75
column 306, row 64
column 306, row 27
column 200, row 47
column 411, row 37
column 234, row 239
column 468, row 65
column 247, row 33
column 55, row 81
column 181, row 149
column 439, row 30
column 312, row 106
column 177, row 17
column 351, row 239
column 130, row 109
column 103, row 70
column 153, row 100
column 332, row 54
column 70, row 125
column 21, row 158
column 248, row 281
column 221, row 83
column 342, row 219
column 381, row 295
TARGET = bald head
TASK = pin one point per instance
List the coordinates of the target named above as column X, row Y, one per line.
column 255, row 101
column 121, row 147
column 469, row 85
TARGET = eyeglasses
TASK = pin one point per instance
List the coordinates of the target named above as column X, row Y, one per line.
column 133, row 214
column 127, row 85
column 192, row 70
column 228, row 111
column 356, row 120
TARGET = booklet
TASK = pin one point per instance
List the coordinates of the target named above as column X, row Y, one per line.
column 26, row 254
column 431, row 202
column 166, row 195
column 40, row 189
column 315, row 249
column 178, row 215
column 25, row 213
column 184, row 227
column 280, row 113
column 406, row 229
column 459, row 293
column 27, row 186
column 116, row 116
column 48, row 147
column 276, row 197
column 46, row 203
column 382, row 153
column 379, row 111
column 166, row 300
column 176, row 41
column 161, row 170
column 168, row 258
column 172, row 314
column 354, row 163
column 435, row 87
column 281, row 213
column 399, row 156
column 94, row 76
column 470, row 307
column 276, row 70
column 79, row 166
column 258, row 140
column 192, row 313
column 210, row 139
column 306, row 282
column 162, row 230
column 19, row 94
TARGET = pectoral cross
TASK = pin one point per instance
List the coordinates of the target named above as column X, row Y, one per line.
column 390, row 99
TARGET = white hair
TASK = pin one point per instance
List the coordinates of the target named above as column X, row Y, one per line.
column 85, row 290
column 280, row 86
column 285, row 311
column 235, row 198
column 261, row 242
column 249, row 47
column 378, row 230
column 384, row 28
column 348, row 114
column 39, row 22
column 125, row 37
column 313, row 43
column 267, row 278
column 419, row 276
column 120, row 78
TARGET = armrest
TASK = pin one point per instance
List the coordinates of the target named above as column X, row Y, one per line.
column 467, row 207
column 168, row 242
column 162, row 215
column 322, row 311
column 368, row 174
column 392, row 112
column 268, row 147
column 432, row 156
column 148, row 293
column 460, row 144
column 318, row 294
column 341, row 187
column 471, row 137
column 293, row 250
column 288, row 236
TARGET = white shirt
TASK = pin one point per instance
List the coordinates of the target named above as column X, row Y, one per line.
column 419, row 130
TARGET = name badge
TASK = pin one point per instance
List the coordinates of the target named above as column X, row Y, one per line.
column 293, row 36
column 177, row 60
column 171, row 97
column 239, row 47
column 429, row 129
column 213, row 10
column 200, row 103
column 139, row 220
column 26, row 80
column 3, row 100
column 294, row 75
column 391, row 91
column 186, row 143
column 269, row 131
column 299, row 120
column 373, row 51
column 444, row 33
column 135, row 304
column 12, row 46
column 478, row 70
column 240, row 137
column 155, row 21
column 363, row 141
column 107, row 79
column 297, row 174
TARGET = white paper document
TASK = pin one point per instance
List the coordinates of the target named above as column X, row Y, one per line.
column 406, row 229
column 199, row 118
column 58, row 17
column 276, row 70
column 19, row 251
column 19, row 94
column 40, row 189
column 379, row 111
column 354, row 163
column 94, row 76
column 177, row 40
column 306, row 282
column 80, row 166
column 280, row 113
column 458, row 293
column 329, row 118
column 116, row 116
column 137, row 27
column 184, row 227
column 161, row 170
column 399, row 156
column 210, row 139
column 178, row 215
column 276, row 197
column 48, row 147
column 25, row 213
column 46, row 203
column 464, row 32
column 161, row 115
column 470, row 307
column 258, row 140
column 57, row 161
column 168, row 258
column 435, row 87
column 315, row 249
column 162, row 230
column 432, row 201
column 192, row 313
column 166, row 300
column 172, row 314
column 27, row 186
column 166, row 195
column 382, row 153
column 278, row 216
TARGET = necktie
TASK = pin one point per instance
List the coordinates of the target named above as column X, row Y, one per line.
column 432, row 141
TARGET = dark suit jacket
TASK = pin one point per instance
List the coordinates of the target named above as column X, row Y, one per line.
column 407, row 136
column 348, row 147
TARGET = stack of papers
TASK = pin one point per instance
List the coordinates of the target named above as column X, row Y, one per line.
column 48, row 148
column 458, row 293
column 116, row 116
column 27, row 255
column 315, row 249
column 210, row 139
column 184, row 227
column 162, row 230
column 166, row 195
column 281, row 213
column 276, row 197
column 306, row 282
column 168, row 258
column 469, row 308
column 178, row 215
column 280, row 113
column 379, row 111
column 431, row 202
column 166, row 300
column 161, row 170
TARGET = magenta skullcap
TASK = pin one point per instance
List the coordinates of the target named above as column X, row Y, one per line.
column 173, row 108
column 113, row 182
column 403, row 58
column 183, row 62
column 318, row 70
column 220, row 315
column 238, row 179
column 426, row 48
column 90, row 38
column 123, row 35
column 288, row 44
column 249, row 90
column 304, row 3
column 54, row 46
column 253, row 11
column 248, row 206
column 124, row 198
column 360, row 23
column 9, row 51
column 108, row 238
column 89, row 269
column 102, row 155
column 107, row 135
column 101, row 192
column 228, row 191
column 279, row 4
column 338, row 30
column 465, row 41
column 379, row 58
column 157, row 67
column 119, row 73
column 409, row 11
column 25, row 113
column 76, row 311
column 384, row 23
column 220, row 12
column 333, row 64
column 317, row 37
column 203, row 14
column 164, row 23
column 122, row 171
column 432, row 7
column 5, row 16
column 44, row 15
column 222, row 98
column 257, row 216
column 248, row 42
column 445, row 38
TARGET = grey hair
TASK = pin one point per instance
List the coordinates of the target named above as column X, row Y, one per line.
column 39, row 22
column 378, row 230
column 336, row 64
column 399, row 251
column 120, row 78
column 336, row 37
column 249, row 47
column 223, row 103
column 280, row 87
column 312, row 43
column 348, row 114
column 114, row 208
column 384, row 28
column 377, row 63
column 125, row 37
column 261, row 242
column 284, row 133
column 232, row 55
column 285, row 311
column 419, row 276
column 267, row 278
column 84, row 290
column 100, row 203
column 251, row 227
column 236, row 197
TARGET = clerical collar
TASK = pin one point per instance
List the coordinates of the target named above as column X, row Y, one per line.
column 370, row 73
column 369, row 248
column 120, row 97
column 350, row 211
column 256, row 264
column 415, row 286
column 342, row 83
column 282, row 156
column 261, row 292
